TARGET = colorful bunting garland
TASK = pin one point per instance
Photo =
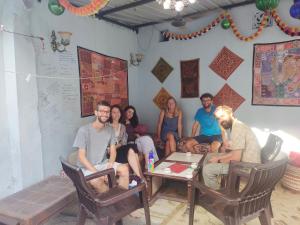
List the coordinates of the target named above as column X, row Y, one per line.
column 195, row 34
column 292, row 31
column 251, row 37
column 87, row 10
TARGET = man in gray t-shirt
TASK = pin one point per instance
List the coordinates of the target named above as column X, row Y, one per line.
column 92, row 141
column 95, row 142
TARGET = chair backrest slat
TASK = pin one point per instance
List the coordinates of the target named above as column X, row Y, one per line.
column 271, row 148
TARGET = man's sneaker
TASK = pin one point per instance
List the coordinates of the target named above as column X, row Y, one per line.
column 132, row 184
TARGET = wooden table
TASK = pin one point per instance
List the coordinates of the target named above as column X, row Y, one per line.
column 188, row 175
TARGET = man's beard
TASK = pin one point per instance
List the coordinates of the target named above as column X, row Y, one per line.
column 207, row 106
column 227, row 124
column 101, row 120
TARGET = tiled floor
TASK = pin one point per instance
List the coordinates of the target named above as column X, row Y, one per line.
column 286, row 207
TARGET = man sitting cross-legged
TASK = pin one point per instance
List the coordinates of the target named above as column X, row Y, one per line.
column 92, row 141
column 209, row 129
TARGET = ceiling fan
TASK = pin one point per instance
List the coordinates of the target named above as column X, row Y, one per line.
column 178, row 21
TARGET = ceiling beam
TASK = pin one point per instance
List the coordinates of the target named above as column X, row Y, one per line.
column 102, row 13
column 248, row 2
column 119, row 23
column 238, row 4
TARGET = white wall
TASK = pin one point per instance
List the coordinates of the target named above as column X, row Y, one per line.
column 5, row 162
column 22, row 161
column 59, row 94
column 39, row 118
column 206, row 48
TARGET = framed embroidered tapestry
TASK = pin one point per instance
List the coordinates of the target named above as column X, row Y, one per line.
column 276, row 74
column 228, row 96
column 161, row 98
column 189, row 78
column 101, row 78
column 162, row 70
column 225, row 63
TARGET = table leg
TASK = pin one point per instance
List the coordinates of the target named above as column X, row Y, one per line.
column 149, row 184
column 189, row 194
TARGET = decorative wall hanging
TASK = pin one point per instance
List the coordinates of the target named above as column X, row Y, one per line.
column 227, row 96
column 55, row 8
column 161, row 98
column 252, row 36
column 258, row 18
column 62, row 43
column 268, row 6
column 87, row 10
column 189, row 78
column 276, row 76
column 292, row 31
column 225, row 63
column 202, row 31
column 265, row 5
column 162, row 70
column 101, row 78
column 295, row 9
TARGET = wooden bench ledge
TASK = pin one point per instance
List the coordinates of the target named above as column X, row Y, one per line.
column 35, row 204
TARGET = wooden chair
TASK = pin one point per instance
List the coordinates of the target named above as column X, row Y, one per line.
column 109, row 207
column 233, row 206
column 268, row 153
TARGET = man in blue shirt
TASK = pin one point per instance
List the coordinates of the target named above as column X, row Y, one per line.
column 205, row 120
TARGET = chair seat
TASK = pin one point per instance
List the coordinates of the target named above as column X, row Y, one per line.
column 234, row 206
column 121, row 208
column 110, row 207
column 211, row 204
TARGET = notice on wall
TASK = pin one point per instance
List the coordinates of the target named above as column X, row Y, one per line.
column 67, row 64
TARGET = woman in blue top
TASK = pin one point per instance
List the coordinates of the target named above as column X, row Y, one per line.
column 169, row 126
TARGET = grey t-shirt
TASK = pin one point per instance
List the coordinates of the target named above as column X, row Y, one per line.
column 95, row 142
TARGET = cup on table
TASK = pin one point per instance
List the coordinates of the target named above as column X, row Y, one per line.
column 188, row 154
column 194, row 165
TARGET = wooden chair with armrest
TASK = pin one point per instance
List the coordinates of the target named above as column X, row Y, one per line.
column 233, row 206
column 268, row 153
column 108, row 207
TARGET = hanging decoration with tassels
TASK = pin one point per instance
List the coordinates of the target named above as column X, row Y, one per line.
column 265, row 5
column 197, row 33
column 268, row 6
column 254, row 35
column 227, row 22
column 292, row 31
column 295, row 9
column 87, row 10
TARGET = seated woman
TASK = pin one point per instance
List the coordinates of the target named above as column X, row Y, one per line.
column 169, row 126
column 125, row 153
column 143, row 143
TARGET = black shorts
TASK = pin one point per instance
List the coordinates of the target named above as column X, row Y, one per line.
column 122, row 152
column 208, row 139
